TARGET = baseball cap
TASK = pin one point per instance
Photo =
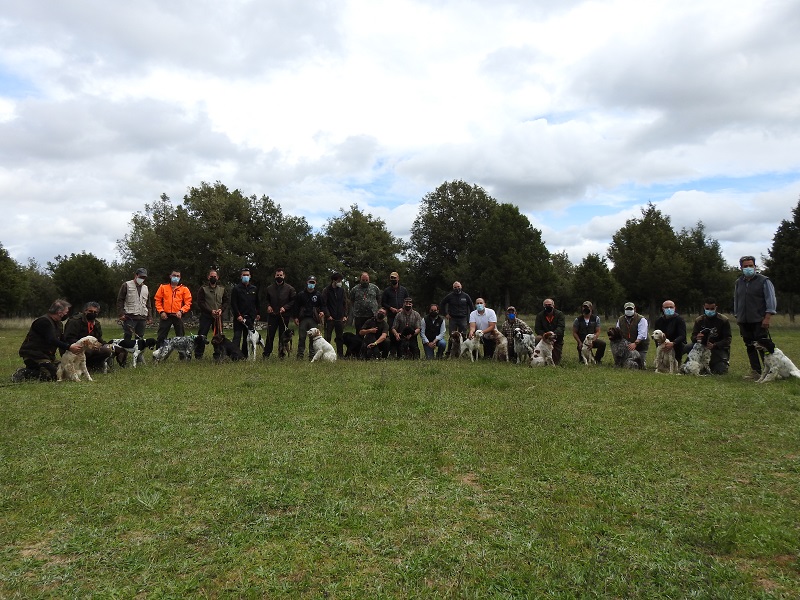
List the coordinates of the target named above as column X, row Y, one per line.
column 142, row 272
column 587, row 303
column 630, row 305
column 394, row 274
column 311, row 278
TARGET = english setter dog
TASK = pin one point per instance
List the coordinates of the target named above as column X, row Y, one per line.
column 543, row 352
column 524, row 344
column 184, row 345
column 473, row 346
column 133, row 347
column 624, row 357
column 665, row 357
column 322, row 350
column 72, row 366
column 587, row 357
column 699, row 360
column 776, row 364
column 501, row 345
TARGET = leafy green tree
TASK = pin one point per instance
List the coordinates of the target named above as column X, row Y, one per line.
column 563, row 281
column 593, row 281
column 40, row 291
column 14, row 284
column 647, row 260
column 707, row 272
column 360, row 242
column 83, row 277
column 783, row 259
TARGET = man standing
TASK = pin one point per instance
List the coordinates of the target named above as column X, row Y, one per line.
column 213, row 300
column 308, row 313
column 38, row 350
column 334, row 311
column 511, row 323
column 753, row 306
column 584, row 325
column 433, row 332
column 407, row 320
column 366, row 299
column 634, row 329
column 484, row 319
column 244, row 309
column 280, row 299
column 392, row 302
column 456, row 308
column 553, row 320
column 674, row 327
column 172, row 300
column 133, row 305
column 718, row 342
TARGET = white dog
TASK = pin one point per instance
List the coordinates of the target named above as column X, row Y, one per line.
column 72, row 366
column 253, row 340
column 523, row 345
column 699, row 359
column 543, row 352
column 587, row 357
column 322, row 350
column 665, row 357
column 776, row 364
column 473, row 346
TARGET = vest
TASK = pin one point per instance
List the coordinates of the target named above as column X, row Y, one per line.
column 584, row 329
column 631, row 331
column 136, row 301
column 432, row 327
column 751, row 302
column 213, row 296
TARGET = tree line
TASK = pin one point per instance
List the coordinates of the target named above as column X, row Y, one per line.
column 460, row 233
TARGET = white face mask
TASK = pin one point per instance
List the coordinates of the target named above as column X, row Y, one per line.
column 139, row 281
column 628, row 312
column 338, row 284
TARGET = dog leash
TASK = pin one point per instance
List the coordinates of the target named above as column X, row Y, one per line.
column 218, row 325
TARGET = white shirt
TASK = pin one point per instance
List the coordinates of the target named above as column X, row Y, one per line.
column 482, row 320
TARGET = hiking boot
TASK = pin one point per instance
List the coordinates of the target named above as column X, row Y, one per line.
column 752, row 375
column 20, row 375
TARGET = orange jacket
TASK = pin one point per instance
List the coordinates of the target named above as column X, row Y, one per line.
column 171, row 301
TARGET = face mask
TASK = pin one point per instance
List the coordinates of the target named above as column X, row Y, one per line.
column 393, row 282
column 548, row 309
column 407, row 307
column 311, row 286
column 91, row 316
column 338, row 284
column 139, row 281
column 457, row 290
column 629, row 312
column 479, row 307
column 749, row 271
column 710, row 313
column 245, row 278
column 65, row 317
column 587, row 311
column 511, row 316
column 175, row 280
column 364, row 283
column 668, row 312
column 212, row 280
column 379, row 316
column 434, row 314
column 279, row 280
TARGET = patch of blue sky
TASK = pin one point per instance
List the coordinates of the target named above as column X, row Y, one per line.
column 760, row 182
column 12, row 86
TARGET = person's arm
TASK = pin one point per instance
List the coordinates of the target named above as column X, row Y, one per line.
column 425, row 340
column 121, row 295
column 575, row 335
column 641, row 330
column 226, row 300
column 771, row 302
column 597, row 329
column 158, row 299
column 561, row 325
column 441, row 332
column 472, row 326
column 186, row 301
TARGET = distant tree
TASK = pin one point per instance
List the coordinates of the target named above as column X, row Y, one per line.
column 40, row 292
column 14, row 284
column 594, row 282
column 360, row 242
column 783, row 259
column 647, row 260
column 83, row 277
column 707, row 272
column 563, row 282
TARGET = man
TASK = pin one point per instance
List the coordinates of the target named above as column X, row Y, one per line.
column 634, row 329
column 366, row 299
column 308, row 313
column 674, row 327
column 407, row 318
column 244, row 309
column 584, row 325
column 38, row 350
column 213, row 300
column 392, row 302
column 279, row 298
column 456, row 308
column 433, row 332
column 484, row 319
column 753, row 306
column 550, row 319
column 511, row 323
column 86, row 323
column 133, row 305
column 172, row 300
column 335, row 312
column 375, row 332
column 720, row 342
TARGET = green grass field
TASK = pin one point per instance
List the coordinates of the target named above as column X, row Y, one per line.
column 400, row 479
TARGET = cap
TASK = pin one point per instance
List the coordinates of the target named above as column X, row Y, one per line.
column 142, row 272
column 630, row 305
column 587, row 303
column 511, row 309
column 408, row 299
column 311, row 278
column 394, row 274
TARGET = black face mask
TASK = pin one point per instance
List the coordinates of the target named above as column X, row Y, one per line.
column 279, row 280
column 212, row 280
column 548, row 309
column 65, row 317
column 434, row 314
column 406, row 307
column 379, row 317
column 586, row 311
column 91, row 316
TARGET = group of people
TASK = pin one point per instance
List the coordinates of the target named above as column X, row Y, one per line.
column 386, row 319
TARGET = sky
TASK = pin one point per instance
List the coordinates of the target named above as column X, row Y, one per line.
column 579, row 112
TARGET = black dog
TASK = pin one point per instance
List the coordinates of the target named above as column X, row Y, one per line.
column 224, row 347
column 353, row 342
column 285, row 344
column 134, row 346
column 409, row 348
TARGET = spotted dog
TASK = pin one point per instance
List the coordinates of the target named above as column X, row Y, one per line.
column 587, row 357
column 183, row 345
column 699, row 359
column 253, row 339
column 524, row 343
column 473, row 346
column 624, row 357
column 134, row 347
column 776, row 364
column 72, row 366
column 665, row 357
column 543, row 352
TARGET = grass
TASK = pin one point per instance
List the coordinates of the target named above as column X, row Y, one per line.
column 400, row 479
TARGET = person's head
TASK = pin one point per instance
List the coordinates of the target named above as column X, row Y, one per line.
column 457, row 287
column 630, row 309
column 586, row 308
column 364, row 279
column 175, row 277
column 311, row 282
column 394, row 279
column 140, row 275
column 480, row 305
column 380, row 315
column 213, row 277
column 433, row 310
column 549, row 306
column 511, row 313
column 408, row 304
column 336, row 279
column 59, row 309
column 710, row 307
column 279, row 276
column 748, row 265
column 91, row 310
column 245, row 275
column 668, row 306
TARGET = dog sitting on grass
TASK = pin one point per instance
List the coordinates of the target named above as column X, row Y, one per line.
column 776, row 364
column 223, row 347
column 72, row 366
column 665, row 357
column 624, row 357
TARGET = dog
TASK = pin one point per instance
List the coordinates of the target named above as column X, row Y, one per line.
column 183, row 345
column 285, row 344
column 455, row 344
column 524, row 343
column 72, row 366
column 354, row 343
column 699, row 360
column 587, row 357
column 253, row 339
column 624, row 358
column 776, row 364
column 134, row 347
column 543, row 352
column 665, row 357
column 322, row 350
column 409, row 347
column 501, row 345
column 473, row 346
column 223, row 347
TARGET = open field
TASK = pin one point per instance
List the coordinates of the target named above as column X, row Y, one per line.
column 400, row 479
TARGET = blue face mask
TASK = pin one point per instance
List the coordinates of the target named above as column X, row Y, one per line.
column 511, row 316
column 245, row 278
column 749, row 271
column 668, row 312
column 311, row 286
column 710, row 313
column 479, row 307
column 175, row 280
